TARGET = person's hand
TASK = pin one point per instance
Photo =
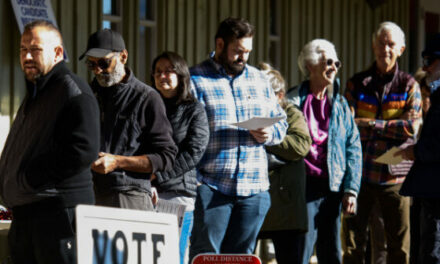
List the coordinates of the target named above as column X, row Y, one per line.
column 363, row 121
column 406, row 153
column 153, row 177
column 411, row 114
column 261, row 135
column 349, row 204
column 106, row 163
column 154, row 196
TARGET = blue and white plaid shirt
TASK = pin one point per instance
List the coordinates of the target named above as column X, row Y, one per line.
column 234, row 162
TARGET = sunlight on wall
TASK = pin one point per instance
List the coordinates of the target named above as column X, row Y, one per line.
column 4, row 130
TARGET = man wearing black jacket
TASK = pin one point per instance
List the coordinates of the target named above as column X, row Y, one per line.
column 45, row 164
column 136, row 136
column 423, row 179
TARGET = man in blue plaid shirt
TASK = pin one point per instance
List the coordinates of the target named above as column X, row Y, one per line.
column 233, row 197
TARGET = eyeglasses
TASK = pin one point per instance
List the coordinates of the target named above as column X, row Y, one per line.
column 102, row 63
column 427, row 61
column 330, row 62
column 167, row 72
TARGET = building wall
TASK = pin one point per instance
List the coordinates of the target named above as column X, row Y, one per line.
column 188, row 27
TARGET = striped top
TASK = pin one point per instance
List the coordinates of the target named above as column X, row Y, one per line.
column 387, row 99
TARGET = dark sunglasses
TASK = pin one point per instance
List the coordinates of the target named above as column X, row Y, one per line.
column 427, row 61
column 102, row 63
column 330, row 62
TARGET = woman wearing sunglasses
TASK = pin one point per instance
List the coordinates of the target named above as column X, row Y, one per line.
column 190, row 132
column 333, row 165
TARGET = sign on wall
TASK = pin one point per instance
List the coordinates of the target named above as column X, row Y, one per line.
column 27, row 11
column 113, row 235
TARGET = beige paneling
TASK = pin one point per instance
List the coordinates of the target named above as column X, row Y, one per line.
column 349, row 24
column 189, row 26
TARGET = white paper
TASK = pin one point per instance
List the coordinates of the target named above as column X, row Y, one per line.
column 389, row 158
column 258, row 122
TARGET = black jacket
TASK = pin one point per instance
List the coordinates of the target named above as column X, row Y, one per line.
column 52, row 143
column 191, row 134
column 133, row 123
column 423, row 179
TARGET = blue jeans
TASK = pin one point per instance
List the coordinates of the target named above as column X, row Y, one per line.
column 226, row 224
column 184, row 234
column 324, row 211
column 429, row 251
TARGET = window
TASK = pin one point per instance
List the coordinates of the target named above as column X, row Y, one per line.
column 274, row 35
column 140, row 33
column 112, row 14
column 147, row 48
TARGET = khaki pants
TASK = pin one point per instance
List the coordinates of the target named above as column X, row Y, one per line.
column 395, row 212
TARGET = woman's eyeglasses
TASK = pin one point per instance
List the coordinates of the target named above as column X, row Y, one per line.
column 330, row 62
column 102, row 63
column 167, row 72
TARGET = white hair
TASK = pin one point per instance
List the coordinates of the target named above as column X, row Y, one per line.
column 395, row 31
column 312, row 53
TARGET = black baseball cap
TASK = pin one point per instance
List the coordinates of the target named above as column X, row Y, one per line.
column 103, row 42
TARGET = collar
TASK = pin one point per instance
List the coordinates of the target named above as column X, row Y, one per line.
column 305, row 86
column 220, row 69
column 58, row 69
column 388, row 76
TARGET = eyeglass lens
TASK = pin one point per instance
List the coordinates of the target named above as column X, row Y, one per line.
column 102, row 63
column 331, row 61
column 166, row 72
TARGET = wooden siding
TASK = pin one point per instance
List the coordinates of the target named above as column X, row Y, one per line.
column 188, row 27
column 349, row 24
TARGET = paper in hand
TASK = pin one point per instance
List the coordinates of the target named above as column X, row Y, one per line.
column 258, row 122
column 389, row 158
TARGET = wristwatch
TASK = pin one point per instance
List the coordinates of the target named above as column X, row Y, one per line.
column 372, row 123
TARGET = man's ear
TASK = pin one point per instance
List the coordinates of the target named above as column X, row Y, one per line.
column 219, row 45
column 59, row 53
column 123, row 56
column 402, row 49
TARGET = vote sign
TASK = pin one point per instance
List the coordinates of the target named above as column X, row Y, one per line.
column 113, row 235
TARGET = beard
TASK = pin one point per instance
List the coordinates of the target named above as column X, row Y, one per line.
column 231, row 67
column 106, row 79
column 31, row 75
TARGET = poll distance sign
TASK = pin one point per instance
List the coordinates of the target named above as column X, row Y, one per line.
column 226, row 259
column 114, row 235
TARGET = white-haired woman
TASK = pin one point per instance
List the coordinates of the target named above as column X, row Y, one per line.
column 333, row 165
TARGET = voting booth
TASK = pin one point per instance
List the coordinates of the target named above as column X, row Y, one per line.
column 113, row 235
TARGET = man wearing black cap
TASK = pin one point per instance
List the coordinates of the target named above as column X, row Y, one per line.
column 423, row 179
column 136, row 136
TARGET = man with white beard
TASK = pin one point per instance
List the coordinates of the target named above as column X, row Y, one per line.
column 136, row 136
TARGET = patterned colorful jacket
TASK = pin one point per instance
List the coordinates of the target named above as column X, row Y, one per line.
column 388, row 99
